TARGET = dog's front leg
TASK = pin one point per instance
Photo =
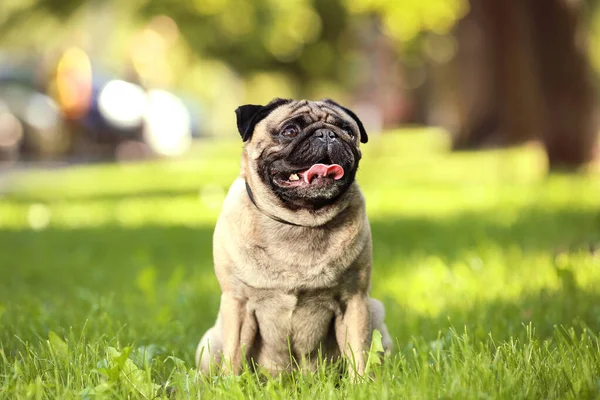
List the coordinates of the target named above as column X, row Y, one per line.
column 352, row 328
column 239, row 331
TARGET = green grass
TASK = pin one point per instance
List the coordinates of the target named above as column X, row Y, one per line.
column 488, row 270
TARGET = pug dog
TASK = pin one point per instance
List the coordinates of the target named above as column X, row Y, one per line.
column 292, row 245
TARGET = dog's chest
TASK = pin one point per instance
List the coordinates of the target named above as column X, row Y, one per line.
column 297, row 261
column 300, row 319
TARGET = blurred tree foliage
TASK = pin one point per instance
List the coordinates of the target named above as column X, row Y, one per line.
column 259, row 35
column 379, row 52
column 305, row 48
column 405, row 20
column 309, row 39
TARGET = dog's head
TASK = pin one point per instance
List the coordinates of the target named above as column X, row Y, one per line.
column 304, row 152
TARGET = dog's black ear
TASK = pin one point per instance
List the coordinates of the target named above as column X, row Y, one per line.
column 245, row 119
column 251, row 114
column 364, row 138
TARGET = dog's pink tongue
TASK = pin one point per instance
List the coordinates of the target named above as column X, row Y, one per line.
column 334, row 171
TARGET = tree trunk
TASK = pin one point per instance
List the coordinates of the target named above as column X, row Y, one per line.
column 568, row 98
column 475, row 91
column 528, row 76
column 497, row 92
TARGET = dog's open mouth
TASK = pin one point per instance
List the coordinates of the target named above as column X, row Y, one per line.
column 316, row 174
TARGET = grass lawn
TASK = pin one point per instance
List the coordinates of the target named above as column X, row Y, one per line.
column 488, row 270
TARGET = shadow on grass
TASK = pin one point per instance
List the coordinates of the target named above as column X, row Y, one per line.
column 399, row 241
column 155, row 284
column 108, row 256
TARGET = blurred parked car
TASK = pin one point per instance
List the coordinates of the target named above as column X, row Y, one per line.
column 30, row 121
column 82, row 112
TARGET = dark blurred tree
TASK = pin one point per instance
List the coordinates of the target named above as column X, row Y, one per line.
column 568, row 97
column 495, row 84
column 536, row 79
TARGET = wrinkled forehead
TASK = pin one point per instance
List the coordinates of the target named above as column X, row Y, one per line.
column 315, row 110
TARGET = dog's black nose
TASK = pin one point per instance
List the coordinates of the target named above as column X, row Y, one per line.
column 325, row 135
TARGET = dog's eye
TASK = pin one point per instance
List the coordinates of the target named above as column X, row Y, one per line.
column 348, row 130
column 290, row 131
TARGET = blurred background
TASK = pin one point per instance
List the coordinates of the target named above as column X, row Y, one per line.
column 92, row 80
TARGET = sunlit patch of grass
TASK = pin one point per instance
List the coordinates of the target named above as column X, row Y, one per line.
column 488, row 268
